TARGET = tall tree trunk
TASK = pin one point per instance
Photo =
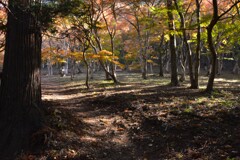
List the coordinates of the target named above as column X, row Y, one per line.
column 236, row 68
column 214, row 60
column 160, row 57
column 188, row 48
column 182, row 65
column 106, row 70
column 211, row 46
column 20, row 92
column 111, row 33
column 73, row 69
column 144, row 66
column 212, row 49
column 198, row 48
column 87, row 72
column 172, row 45
column 160, row 65
column 144, row 55
column 112, row 65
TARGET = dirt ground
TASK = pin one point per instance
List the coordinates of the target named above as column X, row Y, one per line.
column 139, row 119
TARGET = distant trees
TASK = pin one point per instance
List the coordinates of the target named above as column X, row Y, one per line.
column 136, row 28
column 107, row 32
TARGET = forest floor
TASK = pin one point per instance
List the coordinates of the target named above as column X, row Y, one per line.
column 140, row 119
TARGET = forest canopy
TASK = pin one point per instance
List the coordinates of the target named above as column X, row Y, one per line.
column 177, row 46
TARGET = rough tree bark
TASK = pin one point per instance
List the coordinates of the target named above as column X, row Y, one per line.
column 20, row 91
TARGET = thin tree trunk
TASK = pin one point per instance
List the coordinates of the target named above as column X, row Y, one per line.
column 160, row 65
column 198, row 48
column 172, row 45
column 214, row 59
column 183, row 69
column 73, row 69
column 91, row 69
column 87, row 72
column 236, row 68
column 211, row 47
column 144, row 67
column 160, row 57
column 188, row 48
column 107, row 73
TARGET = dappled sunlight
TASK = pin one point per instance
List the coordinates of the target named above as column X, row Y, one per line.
column 227, row 80
column 108, row 126
column 88, row 139
column 136, row 116
column 121, row 140
column 60, row 97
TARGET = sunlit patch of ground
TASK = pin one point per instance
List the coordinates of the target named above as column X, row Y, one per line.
column 141, row 119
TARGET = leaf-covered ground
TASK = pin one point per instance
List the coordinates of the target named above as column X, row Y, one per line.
column 139, row 120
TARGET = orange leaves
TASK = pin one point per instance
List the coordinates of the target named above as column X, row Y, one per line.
column 1, row 58
column 130, row 56
column 3, row 16
column 105, row 53
column 59, row 56
column 78, row 56
column 54, row 55
column 122, row 66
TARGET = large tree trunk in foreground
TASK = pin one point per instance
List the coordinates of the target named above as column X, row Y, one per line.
column 20, row 92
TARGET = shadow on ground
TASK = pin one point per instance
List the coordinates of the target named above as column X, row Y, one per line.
column 143, row 122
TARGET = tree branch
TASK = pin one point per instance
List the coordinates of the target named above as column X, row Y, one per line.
column 229, row 9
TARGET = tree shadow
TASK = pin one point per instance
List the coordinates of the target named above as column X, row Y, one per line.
column 147, row 122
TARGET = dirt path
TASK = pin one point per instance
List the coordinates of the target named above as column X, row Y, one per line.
column 136, row 121
column 90, row 125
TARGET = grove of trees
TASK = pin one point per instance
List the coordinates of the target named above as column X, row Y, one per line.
column 134, row 35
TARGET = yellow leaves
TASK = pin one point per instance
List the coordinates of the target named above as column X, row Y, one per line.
column 134, row 66
column 60, row 56
column 45, row 50
column 54, row 55
column 62, row 23
column 166, row 37
column 47, row 53
column 151, row 61
column 105, row 53
column 62, row 60
column 101, row 25
column 130, row 56
column 224, row 41
column 78, row 56
column 94, row 56
column 122, row 66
